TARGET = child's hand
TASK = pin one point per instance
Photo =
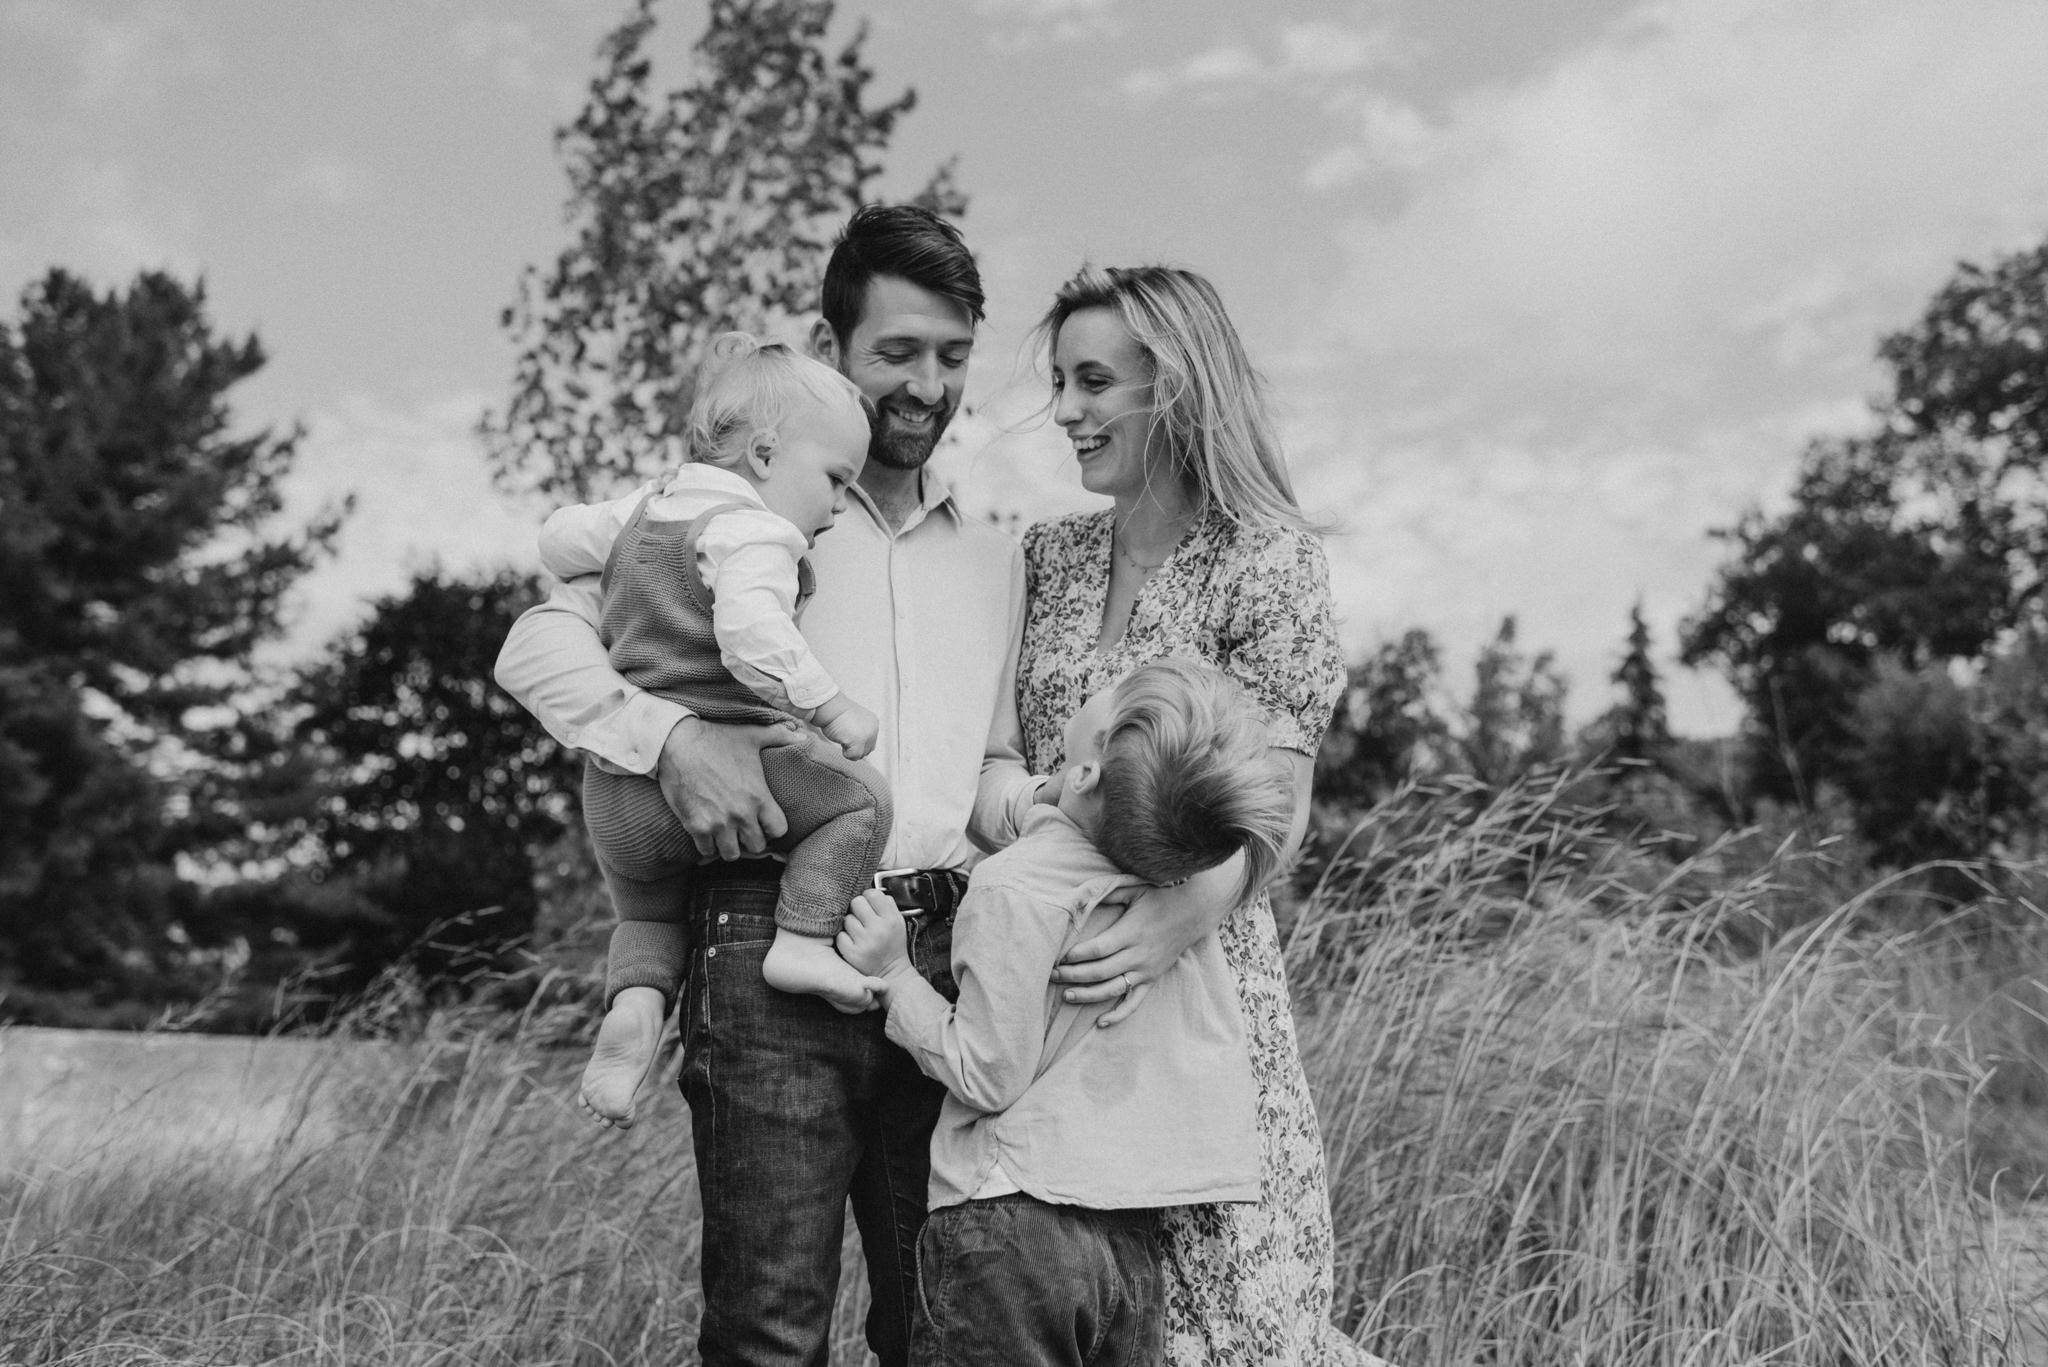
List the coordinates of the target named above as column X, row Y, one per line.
column 850, row 725
column 855, row 729
column 873, row 938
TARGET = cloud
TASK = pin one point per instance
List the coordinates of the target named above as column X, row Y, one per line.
column 331, row 180
column 122, row 62
column 423, row 496
column 1593, row 314
column 1304, row 57
column 1035, row 23
column 516, row 57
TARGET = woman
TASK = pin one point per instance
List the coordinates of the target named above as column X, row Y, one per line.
column 1204, row 554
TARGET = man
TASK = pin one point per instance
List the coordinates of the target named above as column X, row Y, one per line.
column 918, row 610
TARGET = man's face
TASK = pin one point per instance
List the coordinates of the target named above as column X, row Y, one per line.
column 908, row 353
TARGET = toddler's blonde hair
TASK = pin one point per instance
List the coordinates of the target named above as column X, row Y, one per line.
column 1189, row 777
column 747, row 388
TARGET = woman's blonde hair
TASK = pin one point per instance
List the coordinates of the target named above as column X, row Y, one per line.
column 1189, row 777
column 747, row 387
column 1208, row 404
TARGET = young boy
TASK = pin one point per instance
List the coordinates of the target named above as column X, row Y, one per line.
column 1058, row 1142
column 703, row 580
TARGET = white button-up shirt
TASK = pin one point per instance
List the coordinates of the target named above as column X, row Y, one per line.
column 921, row 625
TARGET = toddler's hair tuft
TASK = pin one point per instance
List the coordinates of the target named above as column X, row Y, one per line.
column 746, row 387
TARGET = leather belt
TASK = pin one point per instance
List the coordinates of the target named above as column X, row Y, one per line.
column 924, row 892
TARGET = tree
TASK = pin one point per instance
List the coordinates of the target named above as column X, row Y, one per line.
column 137, row 575
column 1387, row 727
column 1637, row 730
column 709, row 208
column 1516, row 717
column 1920, row 543
column 440, row 791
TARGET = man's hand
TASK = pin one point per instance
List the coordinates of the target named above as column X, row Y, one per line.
column 873, row 938
column 711, row 777
column 1155, row 929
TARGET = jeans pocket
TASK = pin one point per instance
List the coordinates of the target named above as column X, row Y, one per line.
column 930, row 1261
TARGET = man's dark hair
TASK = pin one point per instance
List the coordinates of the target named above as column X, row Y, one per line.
column 904, row 240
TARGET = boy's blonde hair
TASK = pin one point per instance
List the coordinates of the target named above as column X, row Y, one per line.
column 1189, row 778
column 747, row 388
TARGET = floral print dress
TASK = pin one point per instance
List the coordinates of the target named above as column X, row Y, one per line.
column 1246, row 1283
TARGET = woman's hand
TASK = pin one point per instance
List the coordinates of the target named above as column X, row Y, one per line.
column 1155, row 929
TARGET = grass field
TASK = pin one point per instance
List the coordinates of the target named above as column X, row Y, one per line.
column 1566, row 1126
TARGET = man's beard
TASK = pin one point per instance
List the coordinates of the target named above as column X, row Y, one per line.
column 895, row 448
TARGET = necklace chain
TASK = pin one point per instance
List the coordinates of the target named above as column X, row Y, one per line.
column 1116, row 537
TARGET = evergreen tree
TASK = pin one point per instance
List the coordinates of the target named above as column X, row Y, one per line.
column 1639, row 726
column 138, row 572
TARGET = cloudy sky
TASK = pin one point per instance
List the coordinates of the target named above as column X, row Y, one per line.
column 1548, row 289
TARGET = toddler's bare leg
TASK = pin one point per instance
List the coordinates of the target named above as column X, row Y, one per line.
column 808, row 965
column 627, row 1042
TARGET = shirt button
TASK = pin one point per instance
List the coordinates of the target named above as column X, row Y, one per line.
column 711, row 953
column 721, row 918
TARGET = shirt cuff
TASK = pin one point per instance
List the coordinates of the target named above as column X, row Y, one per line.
column 633, row 737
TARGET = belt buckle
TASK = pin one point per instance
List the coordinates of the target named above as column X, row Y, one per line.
column 881, row 874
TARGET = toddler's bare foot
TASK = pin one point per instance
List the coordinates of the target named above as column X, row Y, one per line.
column 627, row 1041
column 801, row 964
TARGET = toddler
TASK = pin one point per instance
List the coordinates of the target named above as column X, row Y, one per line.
column 1058, row 1142
column 703, row 580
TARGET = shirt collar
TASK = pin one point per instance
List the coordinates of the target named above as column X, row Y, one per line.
column 934, row 495
column 696, row 476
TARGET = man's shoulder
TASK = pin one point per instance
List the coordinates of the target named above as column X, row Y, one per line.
column 985, row 539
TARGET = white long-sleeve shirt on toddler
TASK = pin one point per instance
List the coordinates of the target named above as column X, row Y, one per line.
column 748, row 558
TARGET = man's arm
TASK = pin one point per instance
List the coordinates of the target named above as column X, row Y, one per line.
column 1006, row 788
column 556, row 667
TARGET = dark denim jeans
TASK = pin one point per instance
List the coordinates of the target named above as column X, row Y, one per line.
column 795, row 1107
column 1013, row 1281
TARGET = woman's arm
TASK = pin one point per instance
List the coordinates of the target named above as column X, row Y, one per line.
column 1161, row 924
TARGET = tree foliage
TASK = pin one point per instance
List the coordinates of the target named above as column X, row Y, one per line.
column 1916, row 546
column 1388, row 726
column 1637, row 730
column 439, row 790
column 706, row 208
column 1515, row 720
column 138, row 571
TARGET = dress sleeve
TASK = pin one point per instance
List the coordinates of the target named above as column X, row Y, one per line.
column 1281, row 635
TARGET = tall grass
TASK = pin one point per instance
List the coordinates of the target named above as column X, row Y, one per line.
column 1565, row 1124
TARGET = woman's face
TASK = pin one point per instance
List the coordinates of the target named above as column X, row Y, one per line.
column 1102, row 396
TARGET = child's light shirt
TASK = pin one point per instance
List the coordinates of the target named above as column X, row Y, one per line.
column 1158, row 1110
column 748, row 558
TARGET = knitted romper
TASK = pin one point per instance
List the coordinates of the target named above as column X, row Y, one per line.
column 656, row 624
